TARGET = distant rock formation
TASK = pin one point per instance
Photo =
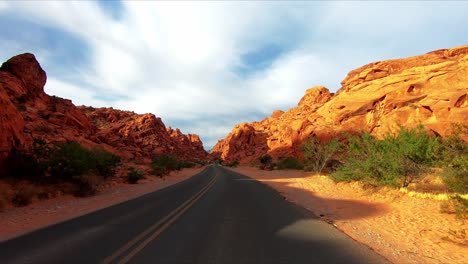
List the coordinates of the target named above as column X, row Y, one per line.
column 27, row 112
column 140, row 136
column 379, row 97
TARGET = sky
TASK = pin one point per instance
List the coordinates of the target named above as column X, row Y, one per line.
column 205, row 66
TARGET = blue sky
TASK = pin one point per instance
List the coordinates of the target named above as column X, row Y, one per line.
column 206, row 66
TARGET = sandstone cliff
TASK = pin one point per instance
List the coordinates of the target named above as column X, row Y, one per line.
column 379, row 97
column 27, row 112
column 140, row 136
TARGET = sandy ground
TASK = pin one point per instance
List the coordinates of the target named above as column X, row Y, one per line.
column 402, row 228
column 20, row 220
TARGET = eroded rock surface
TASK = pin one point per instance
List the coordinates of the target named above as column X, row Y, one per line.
column 379, row 97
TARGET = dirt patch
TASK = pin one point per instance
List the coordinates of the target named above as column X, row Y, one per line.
column 40, row 213
column 400, row 227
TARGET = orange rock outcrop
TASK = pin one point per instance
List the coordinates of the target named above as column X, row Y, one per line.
column 27, row 112
column 141, row 136
column 379, row 97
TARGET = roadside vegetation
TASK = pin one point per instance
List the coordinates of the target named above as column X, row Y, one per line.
column 67, row 164
column 134, row 175
column 398, row 160
column 233, row 164
column 162, row 165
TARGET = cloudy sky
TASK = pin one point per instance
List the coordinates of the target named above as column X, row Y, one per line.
column 206, row 66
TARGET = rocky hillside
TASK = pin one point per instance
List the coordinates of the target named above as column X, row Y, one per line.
column 27, row 112
column 430, row 89
column 140, row 135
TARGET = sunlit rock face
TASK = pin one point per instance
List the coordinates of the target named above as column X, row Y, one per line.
column 379, row 97
column 27, row 112
column 136, row 135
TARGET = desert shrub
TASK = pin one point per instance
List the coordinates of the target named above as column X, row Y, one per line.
column 219, row 161
column 70, row 159
column 23, row 196
column 396, row 160
column 455, row 160
column 455, row 174
column 186, row 164
column 163, row 164
column 134, row 175
column 290, row 163
column 87, row 184
column 104, row 163
column 317, row 154
column 461, row 206
column 265, row 162
column 233, row 164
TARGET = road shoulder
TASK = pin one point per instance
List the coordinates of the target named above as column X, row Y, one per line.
column 21, row 220
column 401, row 228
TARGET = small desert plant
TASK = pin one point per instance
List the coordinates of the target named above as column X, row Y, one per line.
column 265, row 162
column 456, row 174
column 233, row 164
column 461, row 207
column 87, row 184
column 23, row 196
column 317, row 154
column 290, row 163
column 455, row 159
column 104, row 163
column 70, row 159
column 163, row 164
column 134, row 175
column 456, row 205
column 219, row 161
column 186, row 164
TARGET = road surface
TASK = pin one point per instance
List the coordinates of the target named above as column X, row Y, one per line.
column 217, row 216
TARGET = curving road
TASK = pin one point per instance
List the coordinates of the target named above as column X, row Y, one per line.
column 217, row 216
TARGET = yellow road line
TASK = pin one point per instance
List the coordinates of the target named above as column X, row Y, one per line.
column 174, row 215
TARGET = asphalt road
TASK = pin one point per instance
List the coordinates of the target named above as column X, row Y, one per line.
column 217, row 216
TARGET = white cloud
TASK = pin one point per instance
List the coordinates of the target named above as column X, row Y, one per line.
column 177, row 59
column 77, row 94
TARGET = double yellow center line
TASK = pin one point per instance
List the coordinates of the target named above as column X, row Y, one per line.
column 156, row 229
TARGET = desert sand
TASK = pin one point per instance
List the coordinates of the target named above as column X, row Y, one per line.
column 402, row 228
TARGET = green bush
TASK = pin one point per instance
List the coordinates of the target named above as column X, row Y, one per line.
column 186, row 164
column 163, row 164
column 316, row 153
column 455, row 160
column 266, row 162
column 233, row 164
column 290, row 163
column 396, row 160
column 69, row 159
column 104, row 162
column 134, row 175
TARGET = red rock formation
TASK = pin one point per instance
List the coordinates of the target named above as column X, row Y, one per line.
column 379, row 97
column 28, row 113
column 142, row 136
